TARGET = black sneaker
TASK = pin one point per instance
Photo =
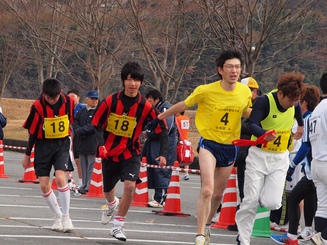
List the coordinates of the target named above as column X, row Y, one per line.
column 232, row 227
column 238, row 242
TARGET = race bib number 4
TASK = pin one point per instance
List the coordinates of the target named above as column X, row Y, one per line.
column 121, row 125
column 225, row 119
column 57, row 127
column 280, row 144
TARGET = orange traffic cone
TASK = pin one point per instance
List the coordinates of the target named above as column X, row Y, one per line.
column 95, row 189
column 2, row 163
column 29, row 176
column 141, row 196
column 54, row 184
column 173, row 200
column 229, row 204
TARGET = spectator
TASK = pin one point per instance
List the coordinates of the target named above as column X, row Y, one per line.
column 243, row 150
column 184, row 124
column 3, row 123
column 86, row 143
column 48, row 125
column 122, row 116
column 159, row 178
column 318, row 136
column 266, row 165
column 74, row 93
column 218, row 119
column 304, row 189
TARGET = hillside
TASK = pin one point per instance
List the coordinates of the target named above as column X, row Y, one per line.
column 17, row 110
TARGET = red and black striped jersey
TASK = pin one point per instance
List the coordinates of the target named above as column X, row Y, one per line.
column 43, row 116
column 123, row 120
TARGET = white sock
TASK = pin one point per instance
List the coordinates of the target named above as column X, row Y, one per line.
column 292, row 236
column 64, row 198
column 52, row 202
column 119, row 221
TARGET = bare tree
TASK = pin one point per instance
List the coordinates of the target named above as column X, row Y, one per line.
column 169, row 41
column 99, row 39
column 260, row 29
column 11, row 51
column 42, row 31
column 80, row 39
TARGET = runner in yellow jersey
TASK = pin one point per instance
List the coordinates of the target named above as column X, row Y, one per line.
column 266, row 167
column 221, row 105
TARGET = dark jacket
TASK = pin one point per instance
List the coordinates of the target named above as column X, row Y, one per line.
column 86, row 140
column 3, row 123
column 160, row 178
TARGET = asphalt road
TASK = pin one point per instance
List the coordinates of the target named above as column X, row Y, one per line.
column 26, row 219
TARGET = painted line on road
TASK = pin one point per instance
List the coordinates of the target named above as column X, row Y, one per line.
column 105, row 239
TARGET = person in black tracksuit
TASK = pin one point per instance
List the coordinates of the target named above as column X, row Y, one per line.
column 159, row 178
column 86, row 140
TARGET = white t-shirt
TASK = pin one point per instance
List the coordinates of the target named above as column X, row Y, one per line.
column 318, row 132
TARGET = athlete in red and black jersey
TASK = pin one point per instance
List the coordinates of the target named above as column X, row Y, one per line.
column 122, row 117
column 48, row 125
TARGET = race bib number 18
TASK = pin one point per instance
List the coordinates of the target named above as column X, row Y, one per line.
column 121, row 125
column 57, row 127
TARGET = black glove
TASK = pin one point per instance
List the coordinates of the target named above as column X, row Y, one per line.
column 154, row 123
column 290, row 172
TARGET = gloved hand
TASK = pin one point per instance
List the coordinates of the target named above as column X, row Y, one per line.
column 102, row 152
column 154, row 123
column 290, row 172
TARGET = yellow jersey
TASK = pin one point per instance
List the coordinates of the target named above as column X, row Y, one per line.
column 219, row 112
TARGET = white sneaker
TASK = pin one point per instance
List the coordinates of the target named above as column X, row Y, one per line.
column 71, row 185
column 155, row 204
column 207, row 236
column 305, row 234
column 316, row 239
column 118, row 233
column 57, row 225
column 107, row 212
column 186, row 177
column 67, row 225
column 215, row 218
column 200, row 240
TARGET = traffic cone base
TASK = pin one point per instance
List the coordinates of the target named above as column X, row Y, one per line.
column 2, row 171
column 261, row 227
column 95, row 189
column 141, row 196
column 173, row 200
column 229, row 204
column 29, row 175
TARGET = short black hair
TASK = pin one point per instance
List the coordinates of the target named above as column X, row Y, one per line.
column 227, row 55
column 154, row 94
column 323, row 83
column 74, row 91
column 51, row 87
column 133, row 69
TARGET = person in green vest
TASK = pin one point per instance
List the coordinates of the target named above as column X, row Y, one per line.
column 266, row 164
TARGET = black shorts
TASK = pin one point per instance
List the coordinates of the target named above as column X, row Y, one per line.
column 112, row 172
column 48, row 153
